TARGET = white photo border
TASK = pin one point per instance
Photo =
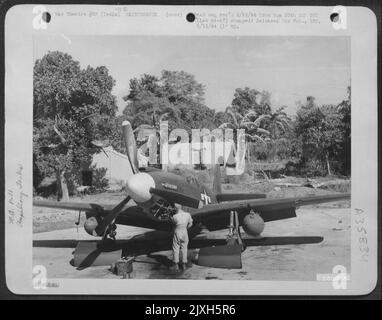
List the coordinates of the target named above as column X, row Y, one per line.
column 20, row 29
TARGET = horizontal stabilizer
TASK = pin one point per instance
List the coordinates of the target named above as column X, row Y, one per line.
column 164, row 243
column 258, row 242
column 226, row 256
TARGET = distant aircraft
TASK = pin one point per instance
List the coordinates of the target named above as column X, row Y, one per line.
column 154, row 190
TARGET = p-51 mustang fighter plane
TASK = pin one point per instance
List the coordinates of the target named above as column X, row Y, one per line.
column 154, row 190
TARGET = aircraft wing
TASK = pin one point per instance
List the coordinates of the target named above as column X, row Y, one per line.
column 215, row 216
column 71, row 205
column 131, row 215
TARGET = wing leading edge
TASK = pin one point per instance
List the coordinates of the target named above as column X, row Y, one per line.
column 130, row 215
column 71, row 205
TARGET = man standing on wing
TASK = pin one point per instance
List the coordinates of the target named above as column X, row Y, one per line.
column 182, row 221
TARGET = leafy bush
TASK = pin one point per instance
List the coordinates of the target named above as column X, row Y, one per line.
column 99, row 183
column 313, row 168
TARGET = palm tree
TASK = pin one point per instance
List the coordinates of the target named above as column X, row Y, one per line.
column 251, row 123
column 277, row 122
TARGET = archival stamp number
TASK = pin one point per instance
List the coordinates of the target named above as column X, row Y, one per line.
column 360, row 224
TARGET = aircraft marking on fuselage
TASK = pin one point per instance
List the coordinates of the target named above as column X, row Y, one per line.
column 205, row 197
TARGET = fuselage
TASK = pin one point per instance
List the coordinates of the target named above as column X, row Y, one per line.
column 154, row 189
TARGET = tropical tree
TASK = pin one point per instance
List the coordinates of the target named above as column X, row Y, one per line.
column 251, row 125
column 71, row 108
column 246, row 99
column 344, row 109
column 248, row 122
column 176, row 94
column 277, row 122
column 320, row 129
column 175, row 97
column 220, row 118
column 251, row 110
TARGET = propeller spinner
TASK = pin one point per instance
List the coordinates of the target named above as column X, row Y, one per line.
column 139, row 187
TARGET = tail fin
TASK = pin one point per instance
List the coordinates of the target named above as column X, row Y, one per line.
column 217, row 185
column 217, row 189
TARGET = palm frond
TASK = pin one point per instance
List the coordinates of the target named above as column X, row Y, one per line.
column 255, row 137
column 263, row 131
column 262, row 118
column 226, row 125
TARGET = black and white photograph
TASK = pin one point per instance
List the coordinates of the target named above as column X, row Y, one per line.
column 94, row 96
column 215, row 157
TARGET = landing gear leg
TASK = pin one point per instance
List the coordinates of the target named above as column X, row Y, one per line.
column 226, row 256
column 109, row 236
column 234, row 235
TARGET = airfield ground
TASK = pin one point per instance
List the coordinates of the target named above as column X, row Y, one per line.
column 288, row 262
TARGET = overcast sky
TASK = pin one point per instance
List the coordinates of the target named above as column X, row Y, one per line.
column 291, row 68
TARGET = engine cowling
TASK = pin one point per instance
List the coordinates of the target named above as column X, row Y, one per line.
column 253, row 224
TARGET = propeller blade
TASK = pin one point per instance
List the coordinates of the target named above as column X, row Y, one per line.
column 173, row 196
column 131, row 147
column 113, row 214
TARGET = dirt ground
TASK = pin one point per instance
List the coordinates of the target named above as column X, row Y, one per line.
column 276, row 262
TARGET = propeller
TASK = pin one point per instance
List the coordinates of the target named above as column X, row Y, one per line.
column 109, row 219
column 131, row 151
column 131, row 148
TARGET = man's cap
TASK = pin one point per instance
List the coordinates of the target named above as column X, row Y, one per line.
column 178, row 206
